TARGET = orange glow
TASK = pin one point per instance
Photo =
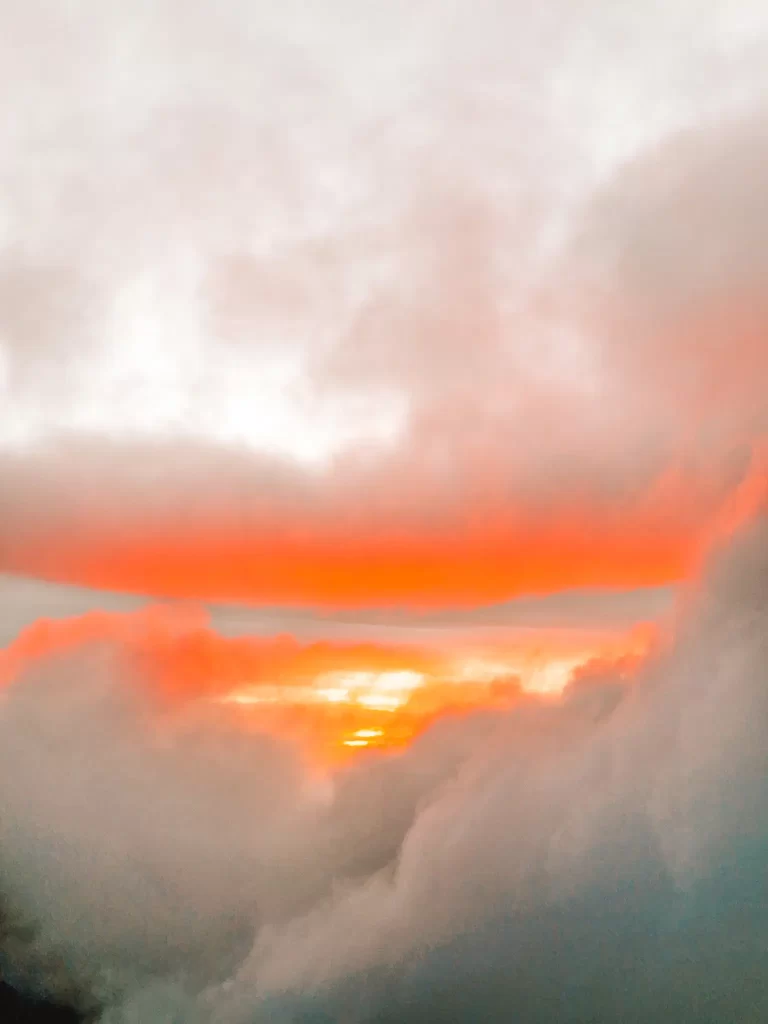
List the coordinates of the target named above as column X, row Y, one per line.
column 335, row 699
column 491, row 558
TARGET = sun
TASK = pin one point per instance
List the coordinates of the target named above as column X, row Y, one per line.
column 365, row 738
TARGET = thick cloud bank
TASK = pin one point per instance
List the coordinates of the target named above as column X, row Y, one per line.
column 352, row 304
column 597, row 858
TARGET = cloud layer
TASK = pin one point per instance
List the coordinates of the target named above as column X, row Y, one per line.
column 601, row 856
column 463, row 288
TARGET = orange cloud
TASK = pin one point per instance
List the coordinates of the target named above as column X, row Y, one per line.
column 334, row 698
column 491, row 560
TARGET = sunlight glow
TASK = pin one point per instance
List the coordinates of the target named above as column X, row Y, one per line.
column 380, row 701
column 382, row 697
column 379, row 691
column 333, row 694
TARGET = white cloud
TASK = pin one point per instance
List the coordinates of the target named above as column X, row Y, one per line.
column 202, row 210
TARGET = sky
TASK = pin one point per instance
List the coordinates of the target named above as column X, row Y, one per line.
column 383, row 481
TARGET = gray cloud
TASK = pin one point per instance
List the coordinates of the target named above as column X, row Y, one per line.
column 24, row 601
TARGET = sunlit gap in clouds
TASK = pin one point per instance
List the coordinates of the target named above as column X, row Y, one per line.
column 381, row 691
column 360, row 708
column 325, row 681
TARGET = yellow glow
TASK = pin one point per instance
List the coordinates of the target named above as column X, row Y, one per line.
column 242, row 698
column 381, row 701
column 369, row 734
column 379, row 691
column 355, row 743
column 334, row 694
column 537, row 673
column 552, row 675
column 483, row 670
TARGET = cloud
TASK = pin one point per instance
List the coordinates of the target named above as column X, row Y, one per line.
column 585, row 866
column 597, row 856
column 382, row 307
column 336, row 286
column 110, row 516
column 87, row 705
